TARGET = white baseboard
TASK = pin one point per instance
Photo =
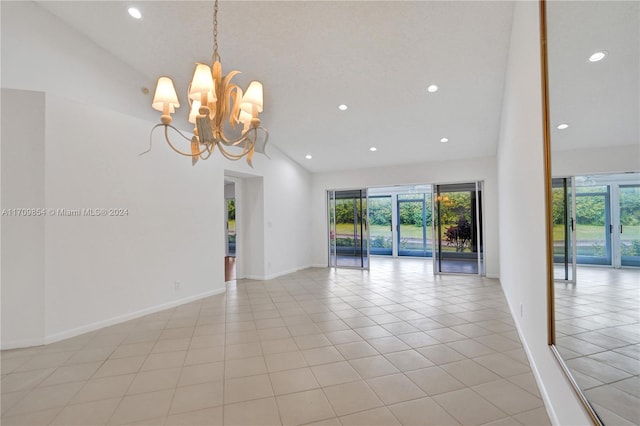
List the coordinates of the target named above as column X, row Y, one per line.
column 66, row 334
column 534, row 369
column 279, row 274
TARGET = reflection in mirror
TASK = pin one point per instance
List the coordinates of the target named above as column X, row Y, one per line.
column 593, row 75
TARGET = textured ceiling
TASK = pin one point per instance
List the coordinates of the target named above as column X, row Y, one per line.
column 378, row 57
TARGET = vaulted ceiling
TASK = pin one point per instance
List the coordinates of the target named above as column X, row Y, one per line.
column 376, row 57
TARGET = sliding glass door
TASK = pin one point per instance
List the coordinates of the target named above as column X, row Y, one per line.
column 563, row 230
column 458, row 228
column 593, row 224
column 348, row 231
column 414, row 225
column 629, row 225
column 380, row 225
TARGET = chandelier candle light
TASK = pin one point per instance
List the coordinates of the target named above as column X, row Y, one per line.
column 215, row 101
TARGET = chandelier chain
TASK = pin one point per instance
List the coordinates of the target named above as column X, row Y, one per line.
column 216, row 55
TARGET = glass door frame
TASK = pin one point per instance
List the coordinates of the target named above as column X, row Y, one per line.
column 425, row 246
column 479, row 227
column 365, row 252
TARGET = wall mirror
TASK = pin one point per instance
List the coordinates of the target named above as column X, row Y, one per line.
column 593, row 135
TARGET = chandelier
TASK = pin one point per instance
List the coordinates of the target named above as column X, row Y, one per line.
column 224, row 116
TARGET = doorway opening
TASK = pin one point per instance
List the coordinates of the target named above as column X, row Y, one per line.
column 230, row 234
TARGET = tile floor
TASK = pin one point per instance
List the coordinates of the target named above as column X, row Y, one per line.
column 598, row 335
column 396, row 345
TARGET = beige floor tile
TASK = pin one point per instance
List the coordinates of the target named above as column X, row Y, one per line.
column 274, row 333
column 204, row 355
column 373, row 366
column 536, row 417
column 135, row 408
column 90, row 355
column 434, row 380
column 197, row 397
column 422, row 411
column 290, row 381
column 304, row 407
column 46, row 398
column 502, row 365
column 155, row 380
column 469, row 372
column 508, row 397
column 372, row 332
column 25, row 380
column 116, row 367
column 279, row 346
column 88, row 413
column 388, row 344
column 285, row 361
column 133, row 349
column 244, row 367
column 104, row 388
column 201, row 373
column 326, row 422
column 71, row 373
column 376, row 417
column 335, row 373
column 10, row 399
column 468, row 407
column 206, row 417
column 243, row 350
column 505, row 421
column 349, row 398
column 247, row 388
column 395, row 388
column 31, row 419
column 323, row 355
column 356, row 350
column 207, row 341
column 621, row 403
column 343, row 336
column 418, row 339
column 311, row 341
column 408, row 360
column 259, row 412
column 527, row 382
column 49, row 360
column 164, row 360
column 441, row 354
column 470, row 348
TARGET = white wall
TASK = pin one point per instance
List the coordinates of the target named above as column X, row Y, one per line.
column 424, row 173
column 88, row 272
column 522, row 203
column 613, row 159
column 23, row 178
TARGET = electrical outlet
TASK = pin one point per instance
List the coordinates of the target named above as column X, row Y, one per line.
column 176, row 285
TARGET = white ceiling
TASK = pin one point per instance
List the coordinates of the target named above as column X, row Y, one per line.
column 378, row 57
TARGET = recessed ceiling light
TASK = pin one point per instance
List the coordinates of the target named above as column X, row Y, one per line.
column 562, row 126
column 308, row 157
column 443, row 140
column 598, row 56
column 342, row 107
column 432, row 88
column 373, row 148
column 135, row 13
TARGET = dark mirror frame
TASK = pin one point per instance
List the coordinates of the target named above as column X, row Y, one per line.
column 551, row 332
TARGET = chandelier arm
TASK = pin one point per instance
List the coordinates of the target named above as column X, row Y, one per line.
column 231, row 156
column 151, row 139
column 166, row 136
